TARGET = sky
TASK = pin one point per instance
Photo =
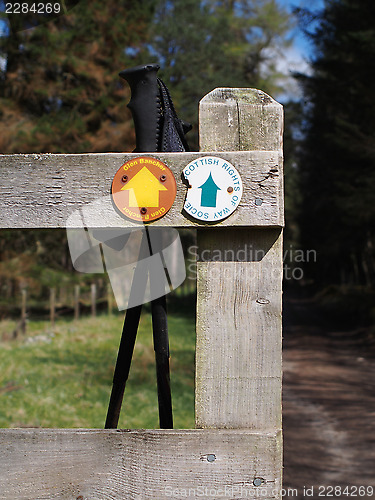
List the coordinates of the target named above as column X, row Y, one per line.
column 301, row 44
column 296, row 57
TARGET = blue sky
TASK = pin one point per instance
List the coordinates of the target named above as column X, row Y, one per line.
column 296, row 58
column 301, row 43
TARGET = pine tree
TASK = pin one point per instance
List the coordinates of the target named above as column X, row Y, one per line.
column 60, row 90
column 337, row 167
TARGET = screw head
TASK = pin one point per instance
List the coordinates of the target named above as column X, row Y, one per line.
column 211, row 458
column 124, row 178
column 257, row 481
column 262, row 301
column 143, row 210
column 163, row 178
column 230, row 189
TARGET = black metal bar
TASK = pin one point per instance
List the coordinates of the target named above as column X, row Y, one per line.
column 161, row 342
column 129, row 333
column 161, row 346
column 124, row 357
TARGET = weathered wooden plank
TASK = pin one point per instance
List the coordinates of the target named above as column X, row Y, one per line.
column 238, row 356
column 238, row 352
column 44, row 190
column 240, row 120
column 220, row 111
column 41, row 464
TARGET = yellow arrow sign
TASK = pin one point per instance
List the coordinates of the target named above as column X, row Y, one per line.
column 144, row 189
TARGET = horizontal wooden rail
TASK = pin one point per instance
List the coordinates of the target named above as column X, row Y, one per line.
column 137, row 464
column 44, row 190
column 237, row 452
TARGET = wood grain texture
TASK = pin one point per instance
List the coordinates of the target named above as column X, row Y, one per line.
column 238, row 355
column 238, row 351
column 45, row 190
column 46, row 464
column 240, row 120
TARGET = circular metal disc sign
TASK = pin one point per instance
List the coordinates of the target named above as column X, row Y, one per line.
column 215, row 188
column 144, row 189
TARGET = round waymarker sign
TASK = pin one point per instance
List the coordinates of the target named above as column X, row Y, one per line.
column 144, row 189
column 215, row 189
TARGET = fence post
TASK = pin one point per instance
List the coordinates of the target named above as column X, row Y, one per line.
column 93, row 300
column 21, row 325
column 238, row 351
column 109, row 299
column 76, row 301
column 23, row 310
column 52, row 305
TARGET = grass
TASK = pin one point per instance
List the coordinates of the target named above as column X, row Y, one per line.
column 62, row 377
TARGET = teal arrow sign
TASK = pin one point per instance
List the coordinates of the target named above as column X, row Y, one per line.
column 209, row 192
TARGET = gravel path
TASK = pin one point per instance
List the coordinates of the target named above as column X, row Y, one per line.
column 328, row 407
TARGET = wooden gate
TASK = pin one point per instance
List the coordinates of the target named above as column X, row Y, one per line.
column 235, row 451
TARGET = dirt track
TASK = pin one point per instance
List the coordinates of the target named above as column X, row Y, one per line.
column 328, row 406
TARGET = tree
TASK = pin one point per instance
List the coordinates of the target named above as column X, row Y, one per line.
column 292, row 139
column 59, row 85
column 60, row 90
column 203, row 44
column 337, row 164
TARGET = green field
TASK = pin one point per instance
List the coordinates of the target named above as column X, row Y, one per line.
column 62, row 377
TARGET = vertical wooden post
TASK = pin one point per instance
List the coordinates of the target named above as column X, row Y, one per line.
column 23, row 310
column 238, row 353
column 109, row 299
column 62, row 296
column 9, row 288
column 76, row 301
column 52, row 305
column 93, row 300
column 21, row 325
